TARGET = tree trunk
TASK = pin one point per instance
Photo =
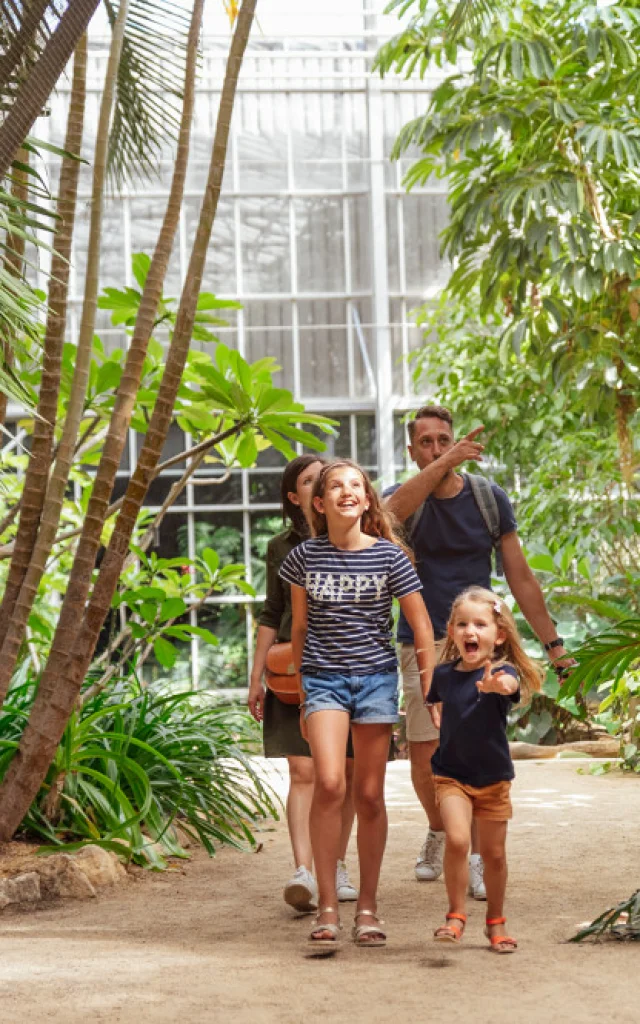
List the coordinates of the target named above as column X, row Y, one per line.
column 130, row 381
column 625, row 408
column 54, row 499
column 13, row 260
column 71, row 652
column 31, row 21
column 37, row 476
column 42, row 77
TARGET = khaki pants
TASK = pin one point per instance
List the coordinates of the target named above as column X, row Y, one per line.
column 420, row 728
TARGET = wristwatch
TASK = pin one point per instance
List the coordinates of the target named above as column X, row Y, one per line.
column 558, row 642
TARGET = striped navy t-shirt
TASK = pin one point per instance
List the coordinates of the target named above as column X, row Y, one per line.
column 349, row 597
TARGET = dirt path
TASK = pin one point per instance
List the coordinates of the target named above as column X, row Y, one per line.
column 216, row 943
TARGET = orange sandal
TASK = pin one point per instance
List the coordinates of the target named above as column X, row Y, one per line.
column 451, row 932
column 499, row 943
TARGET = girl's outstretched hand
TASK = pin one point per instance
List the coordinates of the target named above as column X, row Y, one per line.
column 497, row 681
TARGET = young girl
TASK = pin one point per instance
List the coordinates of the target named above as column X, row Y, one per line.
column 342, row 585
column 483, row 665
column 281, row 722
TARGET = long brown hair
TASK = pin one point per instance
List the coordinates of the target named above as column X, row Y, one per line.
column 289, row 482
column 510, row 652
column 376, row 521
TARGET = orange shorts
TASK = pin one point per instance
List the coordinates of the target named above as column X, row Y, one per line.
column 490, row 802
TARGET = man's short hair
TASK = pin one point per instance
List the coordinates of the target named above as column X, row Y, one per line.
column 436, row 411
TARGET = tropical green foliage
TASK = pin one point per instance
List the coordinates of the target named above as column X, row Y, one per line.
column 136, row 763
column 540, row 145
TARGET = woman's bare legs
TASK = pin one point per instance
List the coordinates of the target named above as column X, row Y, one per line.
column 371, row 750
column 328, row 731
column 298, row 807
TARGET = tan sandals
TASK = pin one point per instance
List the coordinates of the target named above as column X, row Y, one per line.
column 318, row 929
column 365, row 934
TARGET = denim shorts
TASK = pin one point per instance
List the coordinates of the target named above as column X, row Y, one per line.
column 369, row 700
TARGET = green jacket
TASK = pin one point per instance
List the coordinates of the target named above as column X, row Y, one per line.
column 276, row 612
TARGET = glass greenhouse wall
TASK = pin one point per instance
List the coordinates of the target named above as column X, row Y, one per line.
column 317, row 240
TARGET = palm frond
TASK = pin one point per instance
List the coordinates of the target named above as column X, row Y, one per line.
column 621, row 922
column 605, row 658
column 149, row 88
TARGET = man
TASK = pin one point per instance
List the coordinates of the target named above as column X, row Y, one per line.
column 453, row 551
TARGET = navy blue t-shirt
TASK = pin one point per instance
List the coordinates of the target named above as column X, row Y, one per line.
column 473, row 732
column 453, row 551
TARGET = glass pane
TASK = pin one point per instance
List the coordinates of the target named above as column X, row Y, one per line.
column 397, row 351
column 112, row 253
column 366, row 441
column 320, row 245
column 268, row 333
column 264, row 526
column 171, row 538
column 264, row 488
column 364, row 356
column 220, row 274
column 325, row 366
column 425, row 216
column 400, row 441
column 159, row 490
column 147, row 216
column 208, row 492
column 316, row 128
column 225, row 666
column 264, row 230
column 393, row 245
column 260, row 127
column 360, row 240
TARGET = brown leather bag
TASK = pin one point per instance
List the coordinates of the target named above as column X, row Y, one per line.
column 280, row 674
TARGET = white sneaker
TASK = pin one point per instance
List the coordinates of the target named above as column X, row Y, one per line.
column 476, row 877
column 301, row 891
column 347, row 892
column 429, row 863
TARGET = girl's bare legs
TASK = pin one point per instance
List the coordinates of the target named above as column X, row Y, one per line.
column 457, row 815
column 298, row 807
column 492, row 839
column 328, row 731
column 371, row 749
column 348, row 811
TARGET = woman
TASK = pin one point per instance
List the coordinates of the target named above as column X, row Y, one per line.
column 281, row 722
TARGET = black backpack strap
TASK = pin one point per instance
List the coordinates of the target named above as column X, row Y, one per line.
column 485, row 499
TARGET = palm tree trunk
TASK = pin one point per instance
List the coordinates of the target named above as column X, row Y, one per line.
column 37, row 476
column 130, row 381
column 39, row 83
column 71, row 651
column 52, row 505
column 32, row 18
column 13, row 261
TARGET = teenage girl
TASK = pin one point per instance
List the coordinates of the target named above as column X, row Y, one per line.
column 482, row 668
column 342, row 585
column 281, row 722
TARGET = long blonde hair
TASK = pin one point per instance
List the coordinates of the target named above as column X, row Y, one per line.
column 510, row 652
column 377, row 521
